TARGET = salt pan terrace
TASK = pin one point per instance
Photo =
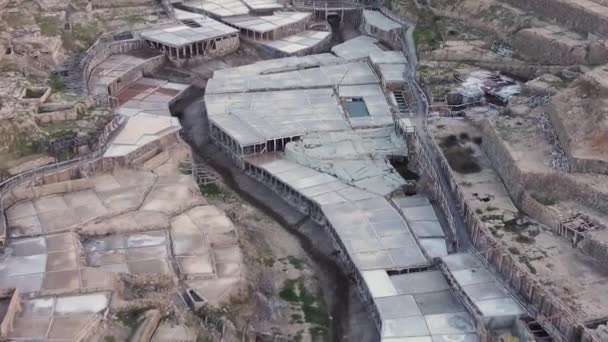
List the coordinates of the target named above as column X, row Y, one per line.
column 143, row 101
column 146, row 105
column 133, row 221
column 46, row 264
column 258, row 113
column 106, row 77
column 63, row 318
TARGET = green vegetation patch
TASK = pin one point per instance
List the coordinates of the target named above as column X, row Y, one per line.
column 56, row 83
column 210, row 190
column 50, row 26
column 27, row 145
column 135, row 19
column 185, row 168
column 81, row 37
column 17, row 19
column 461, row 158
column 130, row 318
column 545, row 199
column 59, row 129
column 295, row 292
column 297, row 263
column 426, row 33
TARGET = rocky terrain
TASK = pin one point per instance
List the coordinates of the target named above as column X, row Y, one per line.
column 518, row 96
column 41, row 43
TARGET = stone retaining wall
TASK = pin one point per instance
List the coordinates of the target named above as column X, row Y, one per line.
column 518, row 183
column 546, row 47
column 595, row 247
column 57, row 116
column 582, row 15
column 99, row 4
column 563, row 186
column 583, row 96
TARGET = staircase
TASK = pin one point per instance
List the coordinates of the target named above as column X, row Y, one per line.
column 401, row 103
column 540, row 335
column 71, row 73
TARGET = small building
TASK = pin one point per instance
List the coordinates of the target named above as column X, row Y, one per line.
column 199, row 36
column 380, row 27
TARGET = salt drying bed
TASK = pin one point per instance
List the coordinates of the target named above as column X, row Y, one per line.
column 58, row 318
column 135, row 253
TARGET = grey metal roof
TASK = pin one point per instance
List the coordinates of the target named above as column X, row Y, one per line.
column 293, row 103
column 278, row 65
column 357, row 48
column 490, row 297
column 181, row 35
column 387, row 57
column 218, row 8
column 262, row 4
column 267, row 23
column 380, row 21
column 297, row 42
